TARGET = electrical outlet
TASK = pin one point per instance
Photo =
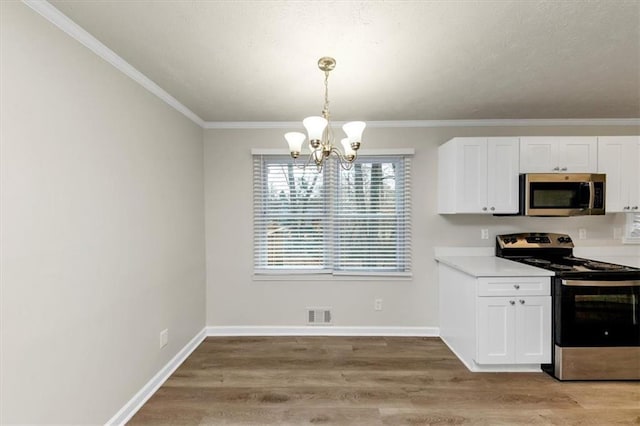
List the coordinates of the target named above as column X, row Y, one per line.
column 617, row 233
column 377, row 304
column 164, row 338
column 484, row 234
column 582, row 234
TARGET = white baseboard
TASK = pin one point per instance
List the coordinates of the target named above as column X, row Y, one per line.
column 134, row 404
column 495, row 368
column 321, row 331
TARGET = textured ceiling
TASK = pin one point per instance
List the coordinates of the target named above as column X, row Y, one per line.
column 396, row 60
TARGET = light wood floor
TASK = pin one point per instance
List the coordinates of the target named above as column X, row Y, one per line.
column 370, row 381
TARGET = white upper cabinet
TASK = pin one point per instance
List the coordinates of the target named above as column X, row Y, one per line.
column 478, row 175
column 637, row 181
column 558, row 154
column 619, row 159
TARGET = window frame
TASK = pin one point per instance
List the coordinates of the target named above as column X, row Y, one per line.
column 331, row 180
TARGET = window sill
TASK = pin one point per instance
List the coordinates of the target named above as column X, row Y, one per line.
column 331, row 277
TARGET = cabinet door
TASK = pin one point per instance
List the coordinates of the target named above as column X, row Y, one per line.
column 612, row 153
column 578, row 154
column 539, row 154
column 533, row 330
column 471, row 175
column 495, row 330
column 634, row 178
column 618, row 158
column 502, row 175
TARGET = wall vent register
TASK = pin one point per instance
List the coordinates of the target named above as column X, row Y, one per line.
column 318, row 316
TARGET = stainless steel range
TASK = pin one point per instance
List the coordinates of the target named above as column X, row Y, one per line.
column 596, row 308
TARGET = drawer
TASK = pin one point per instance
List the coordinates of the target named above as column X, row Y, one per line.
column 514, row 286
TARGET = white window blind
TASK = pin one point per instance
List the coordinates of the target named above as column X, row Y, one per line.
column 632, row 229
column 335, row 221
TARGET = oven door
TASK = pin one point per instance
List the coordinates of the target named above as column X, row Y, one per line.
column 596, row 313
column 563, row 194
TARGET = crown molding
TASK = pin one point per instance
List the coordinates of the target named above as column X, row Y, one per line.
column 62, row 21
column 536, row 122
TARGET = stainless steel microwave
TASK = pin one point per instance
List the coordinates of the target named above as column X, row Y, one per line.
column 562, row 194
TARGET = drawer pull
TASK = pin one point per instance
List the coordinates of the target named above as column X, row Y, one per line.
column 521, row 302
column 516, row 286
column 512, row 302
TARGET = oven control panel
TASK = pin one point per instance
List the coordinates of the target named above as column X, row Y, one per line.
column 534, row 240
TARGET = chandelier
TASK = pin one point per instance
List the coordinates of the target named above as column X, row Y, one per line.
column 321, row 139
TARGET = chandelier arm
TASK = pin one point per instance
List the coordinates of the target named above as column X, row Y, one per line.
column 303, row 166
column 342, row 159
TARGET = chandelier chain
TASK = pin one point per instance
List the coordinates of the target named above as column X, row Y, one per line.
column 325, row 110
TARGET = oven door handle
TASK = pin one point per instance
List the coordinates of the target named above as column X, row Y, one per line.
column 587, row 283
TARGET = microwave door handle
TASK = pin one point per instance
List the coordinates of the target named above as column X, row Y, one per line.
column 592, row 195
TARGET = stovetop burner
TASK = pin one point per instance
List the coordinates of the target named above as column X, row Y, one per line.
column 572, row 264
column 535, row 261
column 602, row 266
column 559, row 267
column 555, row 253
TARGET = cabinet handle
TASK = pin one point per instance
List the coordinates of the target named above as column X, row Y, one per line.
column 564, row 169
column 555, row 169
column 516, row 286
column 521, row 302
column 493, row 208
column 484, row 209
column 512, row 302
column 635, row 208
column 626, row 208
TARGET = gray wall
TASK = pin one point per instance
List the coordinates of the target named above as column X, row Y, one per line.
column 102, row 217
column 234, row 298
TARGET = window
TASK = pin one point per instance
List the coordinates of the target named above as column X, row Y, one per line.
column 336, row 221
column 632, row 228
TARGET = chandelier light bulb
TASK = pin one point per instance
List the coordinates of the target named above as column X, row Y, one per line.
column 315, row 127
column 349, row 152
column 354, row 130
column 295, row 140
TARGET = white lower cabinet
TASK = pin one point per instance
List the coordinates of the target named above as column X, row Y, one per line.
column 496, row 323
column 514, row 330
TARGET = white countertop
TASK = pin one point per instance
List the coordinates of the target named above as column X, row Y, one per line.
column 491, row 266
column 480, row 262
